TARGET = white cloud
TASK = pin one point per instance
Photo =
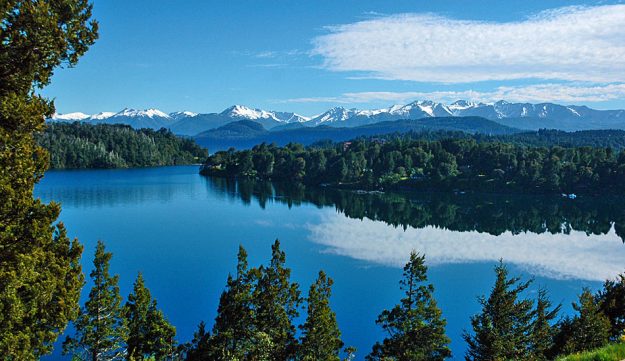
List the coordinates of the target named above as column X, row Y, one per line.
column 571, row 44
column 561, row 256
column 563, row 93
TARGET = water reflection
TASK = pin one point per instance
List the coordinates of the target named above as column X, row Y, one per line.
column 108, row 188
column 492, row 214
column 548, row 236
column 575, row 255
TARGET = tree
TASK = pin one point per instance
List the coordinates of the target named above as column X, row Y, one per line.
column 234, row 331
column 198, row 349
column 589, row 329
column 543, row 333
column 502, row 331
column 100, row 328
column 612, row 303
column 415, row 327
column 40, row 275
column 149, row 333
column 276, row 303
column 321, row 337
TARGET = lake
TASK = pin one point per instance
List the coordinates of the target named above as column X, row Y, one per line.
column 183, row 230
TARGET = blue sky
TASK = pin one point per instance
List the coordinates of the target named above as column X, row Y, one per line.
column 306, row 56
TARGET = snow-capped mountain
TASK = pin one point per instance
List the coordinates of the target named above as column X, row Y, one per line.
column 70, row 117
column 517, row 115
column 243, row 112
column 182, row 114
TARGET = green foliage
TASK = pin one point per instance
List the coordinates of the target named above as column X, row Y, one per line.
column 100, row 328
column 446, row 164
column 81, row 145
column 415, row 327
column 276, row 302
column 321, row 337
column 612, row 352
column 589, row 329
column 149, row 333
column 612, row 303
column 503, row 330
column 40, row 275
column 543, row 331
column 234, row 331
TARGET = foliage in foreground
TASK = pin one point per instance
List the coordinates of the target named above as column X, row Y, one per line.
column 612, row 352
column 40, row 274
column 107, row 330
column 258, row 308
column 415, row 327
column 81, row 145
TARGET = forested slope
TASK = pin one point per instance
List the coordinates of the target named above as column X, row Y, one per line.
column 80, row 145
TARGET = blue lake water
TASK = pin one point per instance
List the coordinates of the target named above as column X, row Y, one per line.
column 182, row 231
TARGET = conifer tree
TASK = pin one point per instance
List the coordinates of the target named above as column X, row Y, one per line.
column 415, row 327
column 276, row 303
column 502, row 331
column 149, row 333
column 198, row 349
column 100, row 328
column 40, row 274
column 233, row 332
column 612, row 302
column 543, row 333
column 589, row 329
column 321, row 337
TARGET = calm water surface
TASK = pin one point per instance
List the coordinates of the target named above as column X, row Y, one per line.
column 182, row 231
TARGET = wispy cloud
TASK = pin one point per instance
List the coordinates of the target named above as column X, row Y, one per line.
column 571, row 44
column 561, row 256
column 564, row 93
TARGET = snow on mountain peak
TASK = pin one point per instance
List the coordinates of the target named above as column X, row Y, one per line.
column 70, row 116
column 240, row 111
column 102, row 115
column 183, row 114
column 150, row 113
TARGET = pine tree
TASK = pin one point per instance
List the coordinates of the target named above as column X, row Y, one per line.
column 233, row 332
column 612, row 302
column 415, row 327
column 149, row 333
column 276, row 303
column 543, row 333
column 40, row 274
column 198, row 349
column 100, row 328
column 502, row 331
column 321, row 337
column 589, row 329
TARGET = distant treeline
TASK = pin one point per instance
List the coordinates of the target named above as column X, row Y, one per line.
column 80, row 145
column 259, row 308
column 614, row 139
column 446, row 164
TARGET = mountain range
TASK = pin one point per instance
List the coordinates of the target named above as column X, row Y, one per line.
column 526, row 116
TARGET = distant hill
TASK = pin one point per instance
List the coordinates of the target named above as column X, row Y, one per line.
column 245, row 134
column 80, row 145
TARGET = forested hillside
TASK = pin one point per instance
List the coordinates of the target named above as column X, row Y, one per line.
column 448, row 164
column 80, row 145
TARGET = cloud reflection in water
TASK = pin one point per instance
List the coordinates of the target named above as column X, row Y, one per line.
column 559, row 256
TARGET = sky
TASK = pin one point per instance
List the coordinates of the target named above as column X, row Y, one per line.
column 308, row 56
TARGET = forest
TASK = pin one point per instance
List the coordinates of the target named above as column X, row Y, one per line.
column 259, row 308
column 81, row 145
column 450, row 164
